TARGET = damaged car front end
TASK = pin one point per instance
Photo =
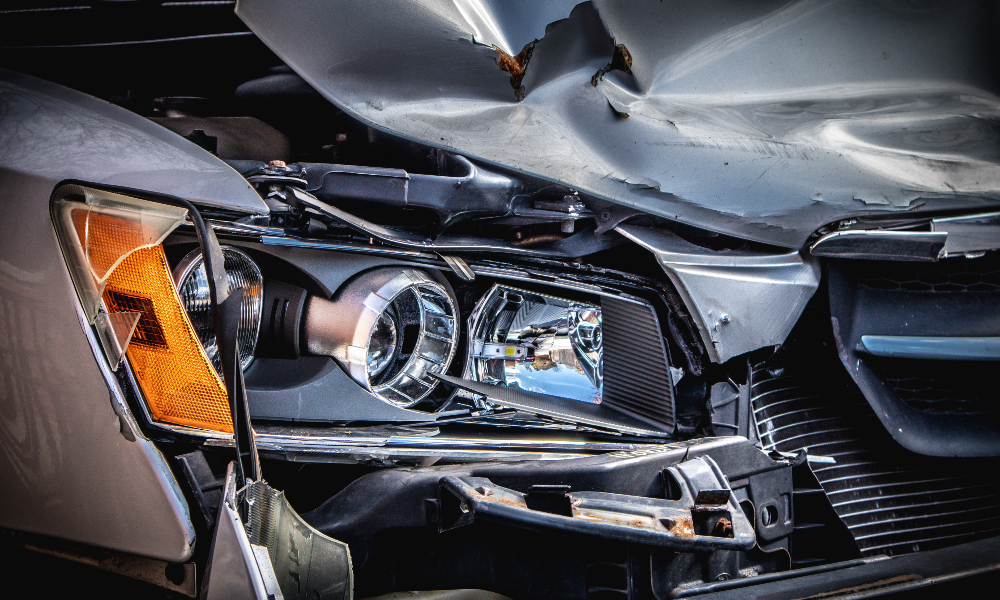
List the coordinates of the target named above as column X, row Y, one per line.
column 584, row 300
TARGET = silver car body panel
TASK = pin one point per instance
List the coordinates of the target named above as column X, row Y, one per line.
column 763, row 120
column 55, row 133
column 73, row 462
column 741, row 301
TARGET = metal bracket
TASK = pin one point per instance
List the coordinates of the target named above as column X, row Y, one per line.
column 705, row 515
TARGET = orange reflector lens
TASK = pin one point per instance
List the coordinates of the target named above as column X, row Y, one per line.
column 117, row 253
column 169, row 363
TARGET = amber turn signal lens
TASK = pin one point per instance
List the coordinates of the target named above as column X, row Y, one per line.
column 113, row 245
column 170, row 365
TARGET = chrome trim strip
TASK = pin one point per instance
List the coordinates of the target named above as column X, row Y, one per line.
column 969, row 233
column 933, row 348
column 879, row 244
column 358, row 449
column 271, row 240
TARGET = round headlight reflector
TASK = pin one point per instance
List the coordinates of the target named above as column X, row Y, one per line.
column 390, row 329
column 192, row 286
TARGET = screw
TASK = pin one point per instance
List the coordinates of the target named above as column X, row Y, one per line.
column 605, row 215
column 723, row 528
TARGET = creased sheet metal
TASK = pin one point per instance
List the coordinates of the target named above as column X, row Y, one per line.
column 764, row 120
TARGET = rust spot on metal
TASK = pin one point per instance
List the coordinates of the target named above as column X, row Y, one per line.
column 868, row 586
column 506, row 501
column 683, row 528
column 617, row 113
column 279, row 164
column 621, row 60
column 712, row 497
column 516, row 65
column 723, row 528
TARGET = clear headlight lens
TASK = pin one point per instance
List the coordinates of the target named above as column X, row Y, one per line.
column 538, row 343
column 192, row 286
column 382, row 345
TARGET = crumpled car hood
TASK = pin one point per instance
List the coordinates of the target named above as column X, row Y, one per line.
column 763, row 120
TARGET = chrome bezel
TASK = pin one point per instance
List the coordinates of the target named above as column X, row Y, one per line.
column 412, row 281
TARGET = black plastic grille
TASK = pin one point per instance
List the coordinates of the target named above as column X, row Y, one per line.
column 636, row 372
column 892, row 501
column 948, row 275
column 943, row 387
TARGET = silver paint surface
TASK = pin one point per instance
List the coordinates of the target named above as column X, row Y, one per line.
column 73, row 463
column 741, row 301
column 55, row 133
column 763, row 120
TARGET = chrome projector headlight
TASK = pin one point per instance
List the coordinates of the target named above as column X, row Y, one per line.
column 389, row 329
column 537, row 343
column 192, row 286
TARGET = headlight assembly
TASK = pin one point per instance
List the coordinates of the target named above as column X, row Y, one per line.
column 389, row 329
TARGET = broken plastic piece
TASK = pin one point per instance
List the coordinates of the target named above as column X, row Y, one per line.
column 115, row 332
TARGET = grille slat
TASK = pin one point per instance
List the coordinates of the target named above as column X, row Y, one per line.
column 892, row 501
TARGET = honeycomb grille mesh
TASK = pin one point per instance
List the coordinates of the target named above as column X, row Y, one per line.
column 942, row 387
column 949, row 275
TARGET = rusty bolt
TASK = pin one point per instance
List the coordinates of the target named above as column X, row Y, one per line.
column 723, row 528
column 278, row 164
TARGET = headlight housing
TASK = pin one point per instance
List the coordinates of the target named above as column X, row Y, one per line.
column 538, row 343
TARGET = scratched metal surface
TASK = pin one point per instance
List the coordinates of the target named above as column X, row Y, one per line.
column 763, row 120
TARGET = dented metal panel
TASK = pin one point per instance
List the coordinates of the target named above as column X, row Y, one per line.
column 741, row 301
column 764, row 120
